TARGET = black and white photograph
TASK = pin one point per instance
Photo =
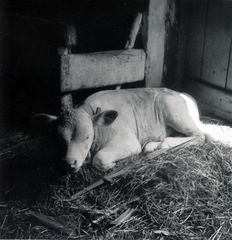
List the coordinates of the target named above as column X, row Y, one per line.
column 116, row 119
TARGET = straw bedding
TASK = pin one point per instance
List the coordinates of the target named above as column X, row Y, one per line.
column 185, row 194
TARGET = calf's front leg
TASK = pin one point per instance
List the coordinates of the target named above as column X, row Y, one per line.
column 107, row 157
column 104, row 159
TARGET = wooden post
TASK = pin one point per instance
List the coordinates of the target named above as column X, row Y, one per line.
column 70, row 40
column 66, row 102
column 155, row 42
column 70, row 37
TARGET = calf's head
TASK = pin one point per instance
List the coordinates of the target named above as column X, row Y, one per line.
column 75, row 132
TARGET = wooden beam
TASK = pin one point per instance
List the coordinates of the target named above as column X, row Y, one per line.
column 89, row 70
column 210, row 100
column 66, row 102
column 155, row 42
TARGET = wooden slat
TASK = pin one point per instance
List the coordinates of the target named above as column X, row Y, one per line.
column 217, row 43
column 210, row 100
column 134, row 31
column 180, row 59
column 229, row 78
column 155, row 42
column 195, row 38
column 101, row 69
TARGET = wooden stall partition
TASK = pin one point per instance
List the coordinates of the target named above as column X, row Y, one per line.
column 99, row 69
column 107, row 68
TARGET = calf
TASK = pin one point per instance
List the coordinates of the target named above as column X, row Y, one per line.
column 114, row 124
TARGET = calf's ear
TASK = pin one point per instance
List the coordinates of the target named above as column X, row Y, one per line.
column 105, row 118
column 44, row 121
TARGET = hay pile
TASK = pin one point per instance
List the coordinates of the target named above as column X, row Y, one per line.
column 181, row 195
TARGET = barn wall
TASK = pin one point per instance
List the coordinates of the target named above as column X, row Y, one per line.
column 208, row 55
column 31, row 33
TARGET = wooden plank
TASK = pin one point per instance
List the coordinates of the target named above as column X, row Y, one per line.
column 101, row 69
column 229, row 77
column 210, row 99
column 175, row 44
column 195, row 38
column 134, row 31
column 217, row 43
column 155, row 46
column 180, row 59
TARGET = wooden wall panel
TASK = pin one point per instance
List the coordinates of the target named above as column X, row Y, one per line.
column 208, row 59
column 217, row 43
column 229, row 77
column 195, row 38
column 210, row 100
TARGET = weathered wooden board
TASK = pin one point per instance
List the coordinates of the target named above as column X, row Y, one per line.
column 101, row 69
column 195, row 38
column 181, row 47
column 210, row 100
column 229, row 77
column 155, row 42
column 217, row 43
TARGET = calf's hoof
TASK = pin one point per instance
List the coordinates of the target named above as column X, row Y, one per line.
column 103, row 164
column 150, row 147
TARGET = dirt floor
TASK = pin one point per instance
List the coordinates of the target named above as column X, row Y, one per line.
column 181, row 194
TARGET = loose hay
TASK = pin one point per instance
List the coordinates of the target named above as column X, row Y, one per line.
column 181, row 195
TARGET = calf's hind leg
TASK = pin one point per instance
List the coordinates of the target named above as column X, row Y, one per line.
column 183, row 117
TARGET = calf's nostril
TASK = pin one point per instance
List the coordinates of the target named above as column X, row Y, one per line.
column 75, row 162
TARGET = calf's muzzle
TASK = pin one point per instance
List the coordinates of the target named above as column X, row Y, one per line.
column 71, row 164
